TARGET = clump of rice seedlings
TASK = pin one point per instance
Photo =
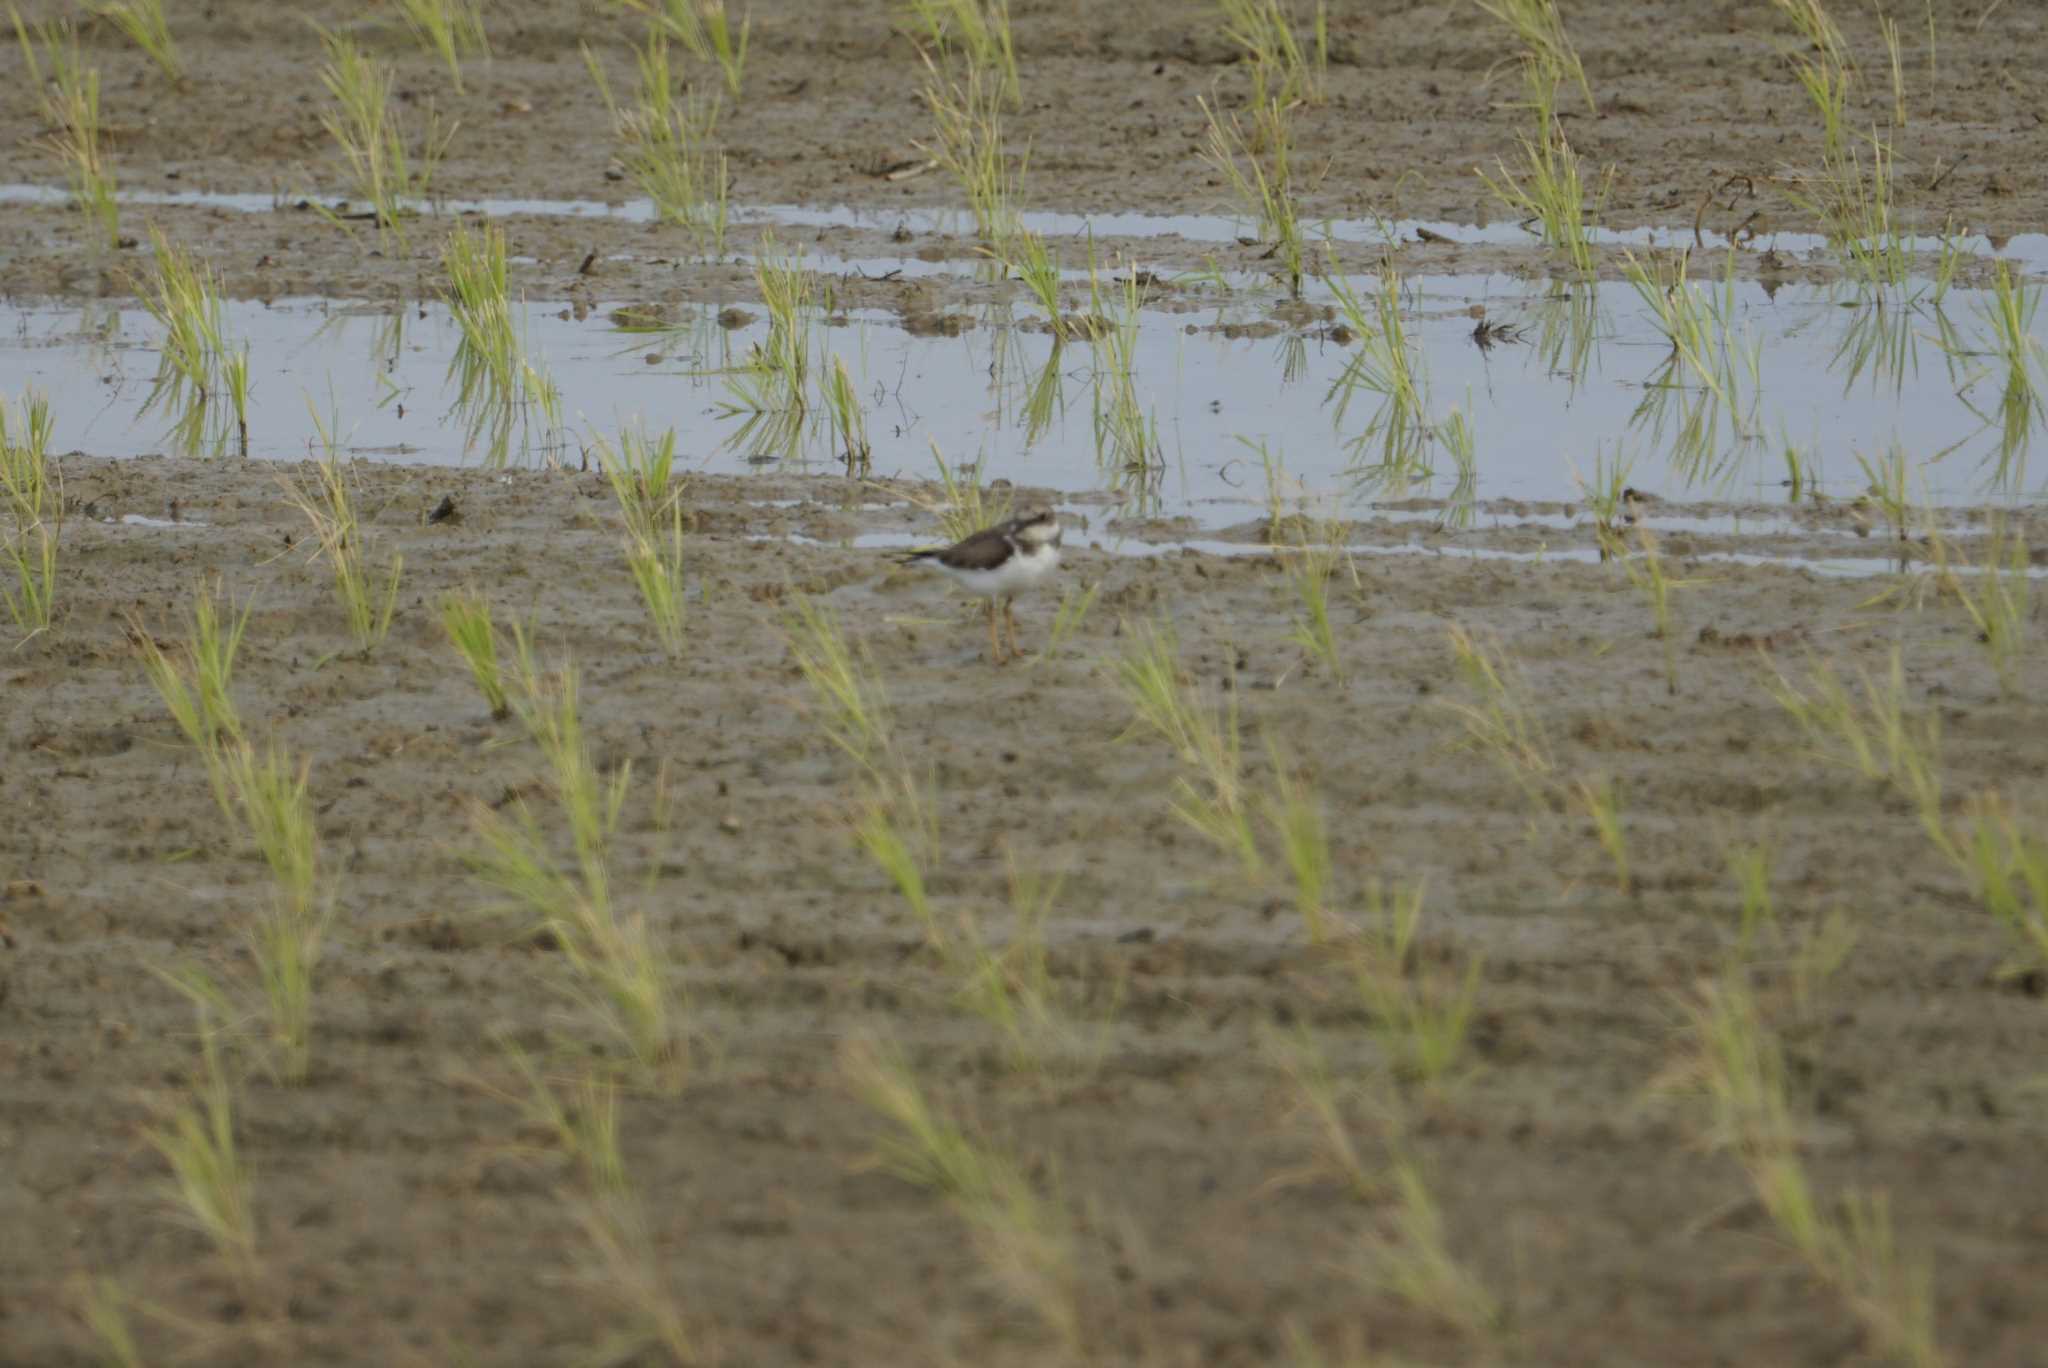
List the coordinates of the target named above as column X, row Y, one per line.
column 103, row 1306
column 1997, row 595
column 967, row 142
column 1257, row 166
column 1421, row 1016
column 848, row 418
column 1602, row 806
column 1212, row 795
column 210, row 1186
column 1749, row 864
column 69, row 94
column 1645, row 570
column 1387, row 365
column 668, row 147
column 1889, row 28
column 196, row 364
column 2007, row 866
column 705, row 30
column 639, row 470
column 270, row 796
column 1025, row 253
column 1568, row 330
column 450, row 29
column 1454, row 431
column 624, row 1267
column 1548, row 185
column 1420, row 1268
column 466, row 617
column 143, row 23
column 1024, row 1239
column 1819, row 950
column 329, row 508
column 1888, row 488
column 979, row 31
column 1499, row 719
column 1310, row 564
column 965, row 505
column 1294, row 814
column 1068, row 617
column 1321, row 1098
column 617, row 971
column 382, row 170
column 1283, row 70
column 853, row 707
column 2009, row 336
column 1872, row 735
column 32, row 488
column 1539, row 28
column 499, row 384
column 1126, row 432
column 772, row 386
column 193, row 683
column 1855, row 208
column 1736, row 1063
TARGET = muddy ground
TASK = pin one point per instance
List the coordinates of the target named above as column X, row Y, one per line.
column 405, row 1217
column 407, row 1210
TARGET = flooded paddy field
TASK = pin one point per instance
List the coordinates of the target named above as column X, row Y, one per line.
column 1518, row 835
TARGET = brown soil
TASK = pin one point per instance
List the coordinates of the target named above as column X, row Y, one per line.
column 406, row 1218
column 407, row 1212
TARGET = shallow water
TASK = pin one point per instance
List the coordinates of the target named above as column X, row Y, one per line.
column 1577, row 386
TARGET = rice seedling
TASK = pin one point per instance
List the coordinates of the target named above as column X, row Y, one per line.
column 849, row 420
column 142, row 23
column 466, row 617
column 1126, row 433
column 704, row 28
column 979, row 30
column 1888, row 27
column 1736, row 1063
column 1385, row 364
column 1068, row 617
column 1873, row 735
column 1548, row 184
column 1454, row 431
column 668, row 147
column 1294, row 814
column 451, row 29
column 617, row 971
column 1888, row 488
column 967, row 142
column 103, row 1306
column 1568, row 330
column 1602, row 806
column 1499, row 721
column 1310, row 567
column 1422, row 1017
column 211, row 1186
column 270, row 797
column 196, row 363
column 2008, row 335
column 69, row 95
column 1204, row 738
column 1420, row 1267
column 32, row 488
column 2007, row 866
column 1749, row 864
column 194, row 682
column 1283, row 69
column 625, row 1271
column 639, row 470
column 1024, row 1239
column 1322, row 1099
column 382, row 171
column 1996, row 595
column 772, row 386
column 1855, row 209
column 1817, row 952
column 1645, row 571
column 1257, row 167
column 1539, row 28
column 1025, row 253
column 329, row 508
column 853, row 707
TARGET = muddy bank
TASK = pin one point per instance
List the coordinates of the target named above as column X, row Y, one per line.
column 403, row 1217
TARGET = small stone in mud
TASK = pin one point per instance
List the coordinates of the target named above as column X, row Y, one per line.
column 445, row 511
column 734, row 317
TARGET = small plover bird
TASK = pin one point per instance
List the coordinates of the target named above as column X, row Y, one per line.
column 998, row 561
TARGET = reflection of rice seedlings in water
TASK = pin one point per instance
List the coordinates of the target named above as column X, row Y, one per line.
column 1568, row 329
column 196, row 364
column 1881, row 339
column 1257, row 166
column 144, row 24
column 2009, row 321
column 450, row 29
column 1711, row 375
column 70, row 98
column 849, row 420
column 1126, row 435
column 1282, row 69
column 1386, row 365
column 705, row 30
column 498, row 384
column 668, row 148
column 33, row 490
column 771, row 388
column 363, row 126
column 978, row 30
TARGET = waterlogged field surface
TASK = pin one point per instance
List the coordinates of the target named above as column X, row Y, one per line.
column 1413, row 901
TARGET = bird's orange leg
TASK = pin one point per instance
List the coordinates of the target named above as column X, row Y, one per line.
column 1010, row 617
column 995, row 649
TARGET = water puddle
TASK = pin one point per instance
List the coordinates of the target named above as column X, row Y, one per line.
column 1240, row 407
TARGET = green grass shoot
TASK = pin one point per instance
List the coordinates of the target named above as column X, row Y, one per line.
column 640, row 472
column 967, row 143
column 500, row 385
column 193, row 679
column 704, row 28
column 849, row 419
column 68, row 92
column 211, row 1186
column 466, row 617
column 1257, row 166
column 383, row 171
column 1211, row 795
column 32, row 491
column 852, row 706
column 1548, row 184
column 1997, row 596
column 270, row 797
column 450, row 29
column 668, row 144
column 143, row 24
column 1284, row 69
column 197, row 365
column 978, row 31
column 1539, row 28
column 329, row 508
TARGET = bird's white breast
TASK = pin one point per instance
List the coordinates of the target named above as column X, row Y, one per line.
column 1026, row 566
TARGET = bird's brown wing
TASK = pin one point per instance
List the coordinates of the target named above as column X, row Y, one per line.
column 985, row 550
